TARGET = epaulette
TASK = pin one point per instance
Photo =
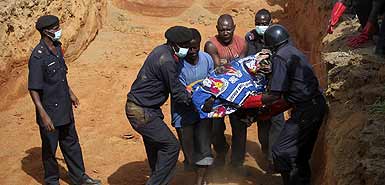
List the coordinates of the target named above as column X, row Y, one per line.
column 39, row 51
column 251, row 36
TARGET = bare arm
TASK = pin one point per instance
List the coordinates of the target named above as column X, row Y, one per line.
column 213, row 52
column 47, row 122
column 74, row 99
column 244, row 50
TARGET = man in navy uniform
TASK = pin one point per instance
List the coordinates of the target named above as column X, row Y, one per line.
column 53, row 99
column 254, row 37
column 268, row 130
column 293, row 79
column 158, row 78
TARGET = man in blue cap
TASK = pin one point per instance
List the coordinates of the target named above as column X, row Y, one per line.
column 53, row 99
column 158, row 78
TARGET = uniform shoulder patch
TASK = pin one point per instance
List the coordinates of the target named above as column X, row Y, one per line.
column 39, row 51
column 251, row 36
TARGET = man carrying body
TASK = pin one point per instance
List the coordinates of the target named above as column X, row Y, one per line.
column 158, row 78
column 293, row 79
column 194, row 134
column 268, row 130
column 53, row 99
column 223, row 48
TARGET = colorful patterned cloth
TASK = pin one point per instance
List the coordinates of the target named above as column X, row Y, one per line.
column 231, row 84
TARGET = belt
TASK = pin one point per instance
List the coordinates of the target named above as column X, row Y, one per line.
column 313, row 101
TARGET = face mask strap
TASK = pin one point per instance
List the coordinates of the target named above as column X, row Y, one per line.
column 48, row 32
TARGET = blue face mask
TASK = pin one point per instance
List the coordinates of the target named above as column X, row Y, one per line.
column 182, row 52
column 57, row 35
column 261, row 29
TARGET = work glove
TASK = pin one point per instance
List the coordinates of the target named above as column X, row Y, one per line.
column 253, row 101
column 363, row 37
column 338, row 9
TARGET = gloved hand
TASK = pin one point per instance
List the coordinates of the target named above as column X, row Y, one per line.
column 277, row 107
column 363, row 37
column 254, row 101
column 338, row 9
column 208, row 106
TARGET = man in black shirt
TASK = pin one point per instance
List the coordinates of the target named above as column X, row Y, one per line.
column 158, row 78
column 293, row 79
column 53, row 99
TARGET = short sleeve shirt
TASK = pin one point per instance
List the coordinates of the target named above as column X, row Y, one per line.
column 47, row 76
column 183, row 115
column 293, row 75
column 254, row 42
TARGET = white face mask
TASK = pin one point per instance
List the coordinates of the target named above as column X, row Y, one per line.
column 182, row 52
column 261, row 29
column 57, row 35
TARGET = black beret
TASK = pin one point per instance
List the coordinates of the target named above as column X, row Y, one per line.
column 46, row 21
column 178, row 34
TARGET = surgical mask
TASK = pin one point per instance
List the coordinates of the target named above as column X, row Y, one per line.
column 261, row 29
column 182, row 52
column 57, row 35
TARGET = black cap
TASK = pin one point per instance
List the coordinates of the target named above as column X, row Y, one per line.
column 178, row 34
column 46, row 21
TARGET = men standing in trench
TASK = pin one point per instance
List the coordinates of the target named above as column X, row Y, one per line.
column 293, row 79
column 53, row 99
column 223, row 48
column 157, row 79
column 268, row 130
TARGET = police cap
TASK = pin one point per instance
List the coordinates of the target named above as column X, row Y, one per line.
column 178, row 34
column 46, row 21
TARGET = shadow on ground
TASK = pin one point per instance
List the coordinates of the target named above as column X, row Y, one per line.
column 33, row 166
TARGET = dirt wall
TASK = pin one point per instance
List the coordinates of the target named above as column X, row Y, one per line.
column 350, row 147
column 80, row 21
column 351, row 144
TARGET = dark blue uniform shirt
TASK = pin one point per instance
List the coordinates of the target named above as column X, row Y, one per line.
column 156, row 79
column 254, row 42
column 47, row 76
column 293, row 75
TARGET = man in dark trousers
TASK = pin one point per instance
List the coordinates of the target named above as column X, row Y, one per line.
column 268, row 130
column 293, row 79
column 158, row 78
column 223, row 48
column 53, row 99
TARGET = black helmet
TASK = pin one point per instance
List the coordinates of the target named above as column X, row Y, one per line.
column 275, row 35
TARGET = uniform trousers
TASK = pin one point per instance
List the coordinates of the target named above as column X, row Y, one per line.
column 162, row 147
column 268, row 132
column 293, row 148
column 68, row 141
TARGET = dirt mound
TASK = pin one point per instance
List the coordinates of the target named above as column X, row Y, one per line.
column 351, row 145
column 80, row 21
column 156, row 8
